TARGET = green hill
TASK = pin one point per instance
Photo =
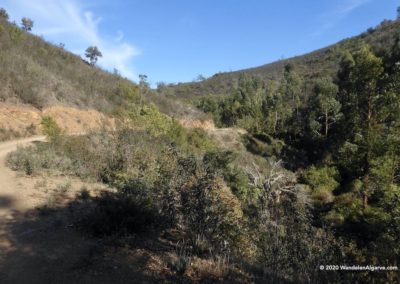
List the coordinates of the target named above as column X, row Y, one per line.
column 311, row 65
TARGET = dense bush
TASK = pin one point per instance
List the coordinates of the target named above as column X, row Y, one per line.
column 50, row 128
column 34, row 159
column 322, row 181
column 119, row 214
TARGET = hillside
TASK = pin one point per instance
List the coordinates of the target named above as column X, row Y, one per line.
column 41, row 74
column 311, row 65
column 39, row 78
column 332, row 117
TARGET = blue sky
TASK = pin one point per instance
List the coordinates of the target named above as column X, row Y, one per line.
column 176, row 40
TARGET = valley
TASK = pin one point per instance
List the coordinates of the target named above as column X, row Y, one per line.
column 261, row 175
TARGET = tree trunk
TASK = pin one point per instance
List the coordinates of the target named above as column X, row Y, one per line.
column 326, row 123
column 367, row 155
column 364, row 194
column 276, row 121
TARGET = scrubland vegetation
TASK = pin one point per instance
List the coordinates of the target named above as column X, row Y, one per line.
column 340, row 134
column 8, row 134
column 162, row 187
column 316, row 183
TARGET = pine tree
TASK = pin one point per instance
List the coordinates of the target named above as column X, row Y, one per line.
column 360, row 74
column 27, row 24
column 93, row 53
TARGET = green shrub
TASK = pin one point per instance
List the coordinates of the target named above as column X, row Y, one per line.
column 322, row 181
column 128, row 91
column 198, row 139
column 51, row 128
column 263, row 145
column 16, row 34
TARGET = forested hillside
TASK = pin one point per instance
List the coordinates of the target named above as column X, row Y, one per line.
column 339, row 130
column 324, row 61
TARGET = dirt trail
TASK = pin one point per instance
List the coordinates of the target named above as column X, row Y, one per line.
column 12, row 196
column 33, row 249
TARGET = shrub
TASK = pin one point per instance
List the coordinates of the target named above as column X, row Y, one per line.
column 118, row 213
column 23, row 159
column 3, row 14
column 16, row 33
column 128, row 91
column 263, row 145
column 51, row 128
column 84, row 193
column 63, row 187
column 180, row 264
column 322, row 181
column 31, row 159
column 7, row 134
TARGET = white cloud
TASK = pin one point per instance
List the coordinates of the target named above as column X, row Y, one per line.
column 69, row 22
column 330, row 19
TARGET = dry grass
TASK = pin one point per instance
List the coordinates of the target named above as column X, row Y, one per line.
column 217, row 268
column 41, row 74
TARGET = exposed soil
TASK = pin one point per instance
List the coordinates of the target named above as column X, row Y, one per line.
column 45, row 249
column 21, row 118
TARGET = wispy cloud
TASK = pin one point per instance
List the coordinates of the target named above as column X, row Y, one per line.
column 68, row 21
column 330, row 19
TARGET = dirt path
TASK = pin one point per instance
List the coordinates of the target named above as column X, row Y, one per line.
column 13, row 197
column 46, row 248
column 33, row 249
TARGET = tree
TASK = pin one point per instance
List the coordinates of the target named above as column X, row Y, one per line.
column 326, row 107
column 200, row 78
column 27, row 24
column 360, row 74
column 3, row 14
column 274, row 110
column 292, row 85
column 116, row 72
column 144, row 86
column 143, row 80
column 282, row 225
column 398, row 13
column 93, row 53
